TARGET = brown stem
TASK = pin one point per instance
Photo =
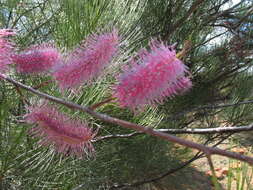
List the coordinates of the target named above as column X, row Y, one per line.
column 43, row 84
column 207, row 107
column 169, row 172
column 186, row 49
column 23, row 99
column 214, row 177
column 217, row 130
column 194, row 6
column 95, row 106
column 136, row 127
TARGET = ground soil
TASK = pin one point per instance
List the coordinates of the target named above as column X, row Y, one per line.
column 198, row 175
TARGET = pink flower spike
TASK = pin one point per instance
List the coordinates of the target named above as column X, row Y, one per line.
column 179, row 87
column 87, row 61
column 37, row 59
column 151, row 78
column 7, row 32
column 6, row 49
column 68, row 136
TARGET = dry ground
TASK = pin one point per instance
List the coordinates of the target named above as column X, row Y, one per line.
column 198, row 176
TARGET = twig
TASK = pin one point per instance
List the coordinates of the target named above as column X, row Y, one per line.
column 25, row 13
column 217, row 130
column 185, row 17
column 21, row 95
column 129, row 125
column 95, row 106
column 208, row 107
column 169, row 172
column 116, row 136
column 224, row 105
column 42, row 84
column 186, row 49
column 183, row 165
column 214, row 177
column 209, row 130
column 225, row 12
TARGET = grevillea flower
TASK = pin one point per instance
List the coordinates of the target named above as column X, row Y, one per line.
column 179, row 87
column 37, row 59
column 88, row 61
column 6, row 49
column 151, row 78
column 70, row 137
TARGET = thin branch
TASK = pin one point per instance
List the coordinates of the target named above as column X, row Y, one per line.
column 214, row 177
column 129, row 125
column 106, row 137
column 45, row 83
column 224, row 12
column 25, row 13
column 248, row 13
column 209, row 130
column 21, row 95
column 208, row 40
column 226, row 105
column 9, row 19
column 208, row 107
column 194, row 6
column 95, row 106
column 217, row 130
column 169, row 172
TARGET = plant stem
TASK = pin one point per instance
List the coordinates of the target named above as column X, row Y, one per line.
column 214, row 177
column 107, row 100
column 136, row 127
column 43, row 84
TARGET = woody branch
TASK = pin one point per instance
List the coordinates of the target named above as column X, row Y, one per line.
column 148, row 130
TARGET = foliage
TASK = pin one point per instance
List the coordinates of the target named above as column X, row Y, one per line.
column 221, row 73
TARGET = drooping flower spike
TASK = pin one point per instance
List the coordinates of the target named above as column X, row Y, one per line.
column 151, row 78
column 68, row 136
column 6, row 32
column 179, row 87
column 6, row 49
column 37, row 59
column 86, row 62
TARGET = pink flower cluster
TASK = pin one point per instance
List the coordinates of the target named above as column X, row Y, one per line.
column 151, row 78
column 87, row 61
column 37, row 59
column 70, row 137
column 6, row 49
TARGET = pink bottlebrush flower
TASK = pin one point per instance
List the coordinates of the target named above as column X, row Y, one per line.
column 6, row 32
column 180, row 86
column 87, row 61
column 151, row 78
column 6, row 49
column 37, row 59
column 70, row 137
